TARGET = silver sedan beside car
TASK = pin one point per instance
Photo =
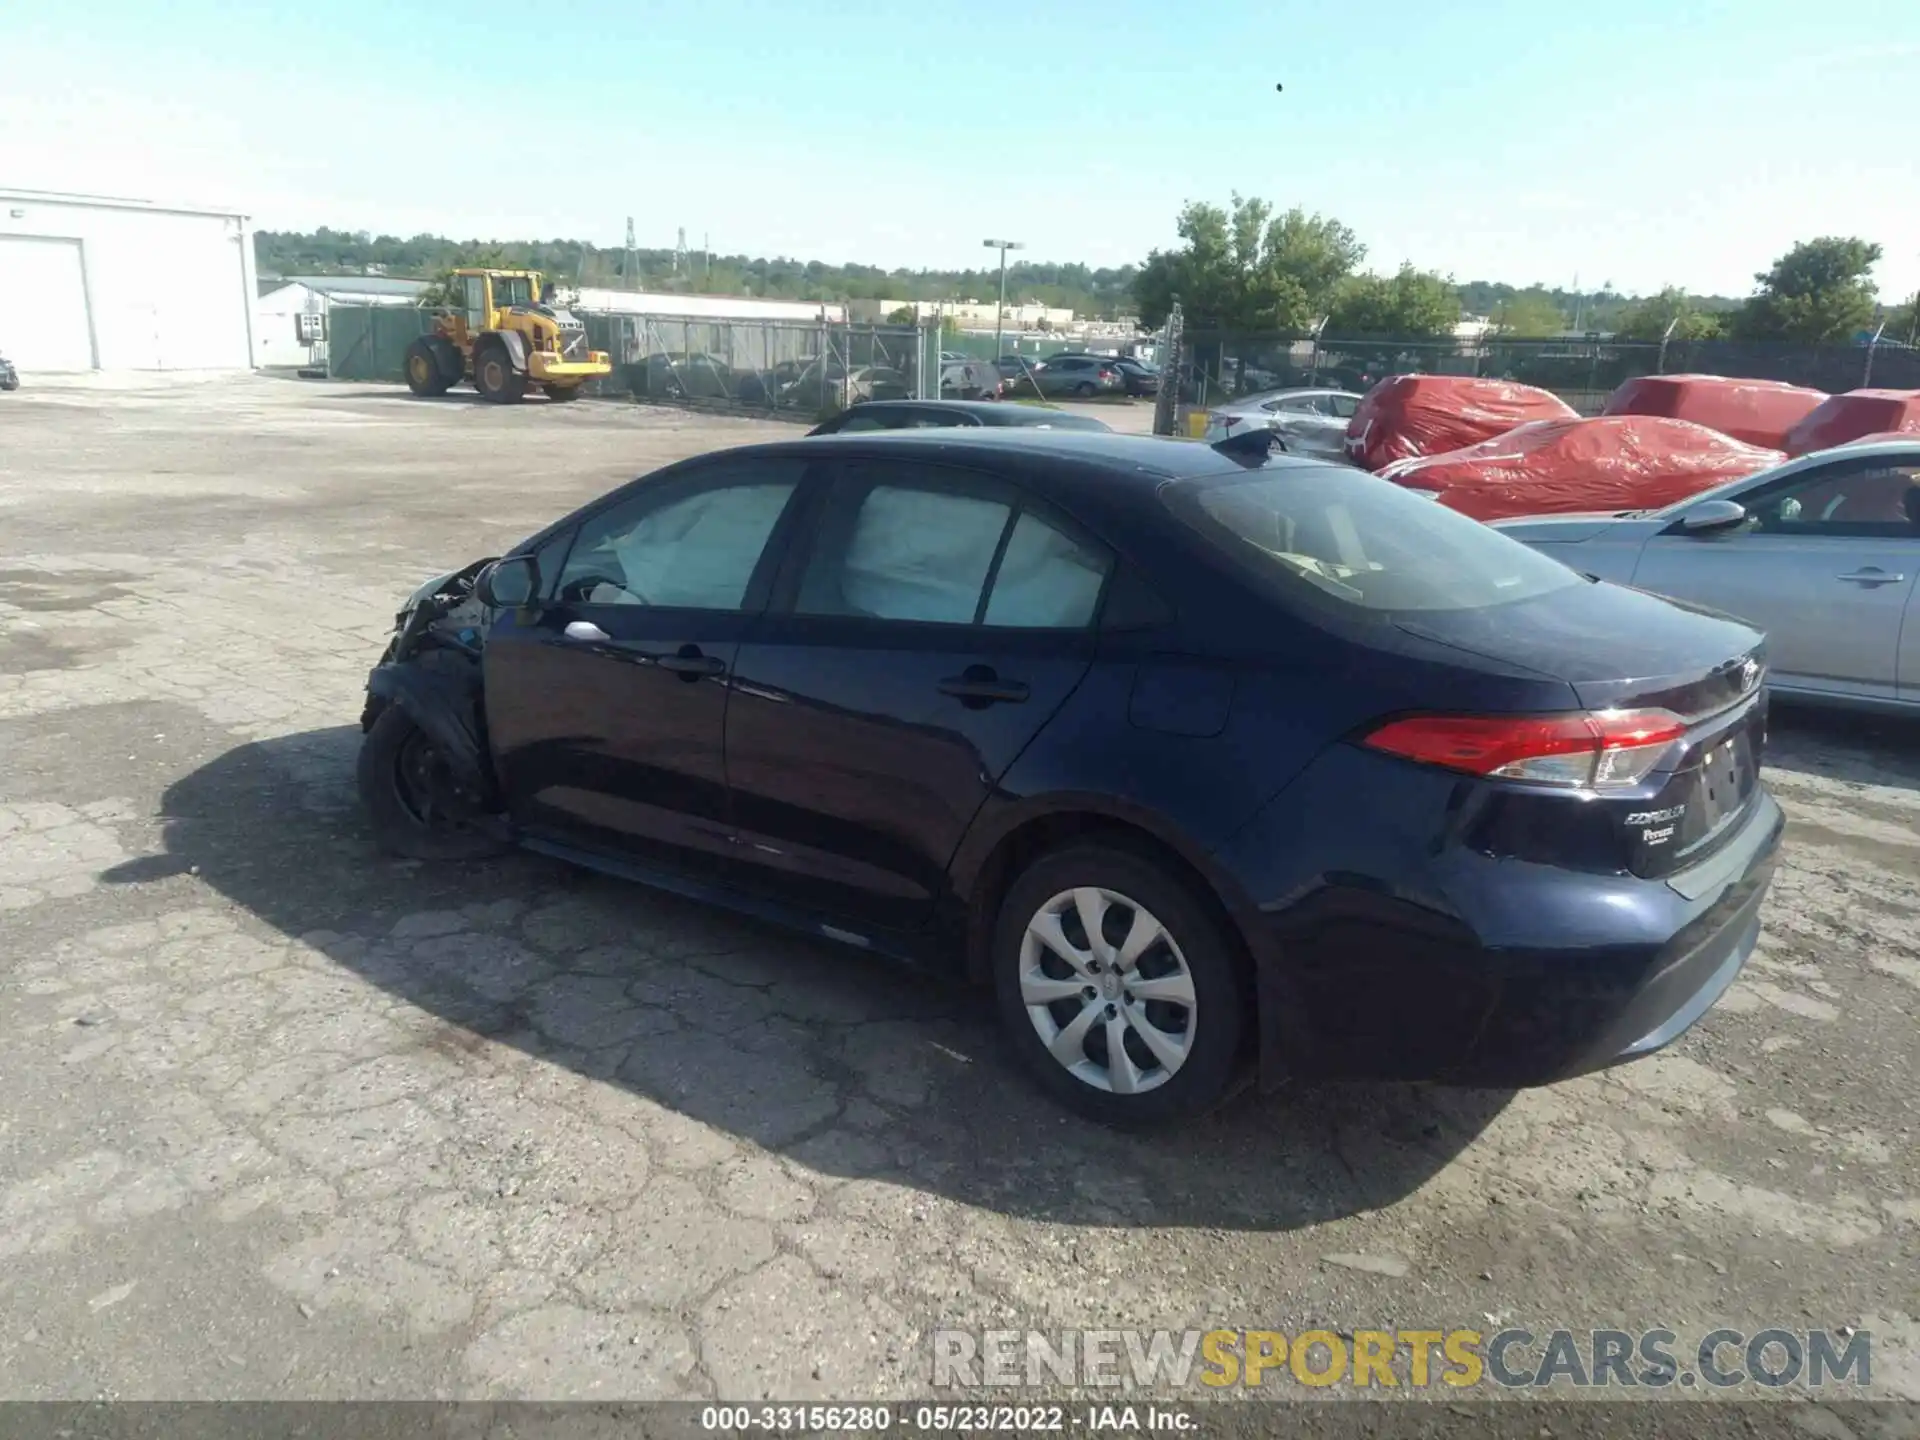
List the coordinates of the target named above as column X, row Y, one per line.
column 1308, row 421
column 1823, row 553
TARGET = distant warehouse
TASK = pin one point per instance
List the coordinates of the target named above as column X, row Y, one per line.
column 291, row 311
column 707, row 307
column 90, row 282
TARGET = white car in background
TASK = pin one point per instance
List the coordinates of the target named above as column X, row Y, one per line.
column 1307, row 421
column 1823, row 553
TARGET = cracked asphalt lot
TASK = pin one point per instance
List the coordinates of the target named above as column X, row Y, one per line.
column 284, row 1118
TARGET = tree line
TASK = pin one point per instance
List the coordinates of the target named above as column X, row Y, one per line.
column 1241, row 267
column 1245, row 268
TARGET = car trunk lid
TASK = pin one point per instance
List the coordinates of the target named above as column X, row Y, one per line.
column 1625, row 652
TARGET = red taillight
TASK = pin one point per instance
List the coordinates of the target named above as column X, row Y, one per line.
column 1599, row 750
column 1105, row 374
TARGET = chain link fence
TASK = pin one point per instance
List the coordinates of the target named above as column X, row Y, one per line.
column 807, row 369
column 764, row 366
column 1217, row 366
column 791, row 368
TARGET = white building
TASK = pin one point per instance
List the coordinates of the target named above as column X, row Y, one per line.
column 705, row 307
column 290, row 318
column 92, row 283
column 971, row 314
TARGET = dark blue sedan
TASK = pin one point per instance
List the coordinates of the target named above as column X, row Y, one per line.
column 1210, row 762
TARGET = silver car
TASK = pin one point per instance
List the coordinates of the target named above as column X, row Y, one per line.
column 1308, row 422
column 1823, row 553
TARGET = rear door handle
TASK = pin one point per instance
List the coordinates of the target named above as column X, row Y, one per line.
column 1872, row 575
column 979, row 685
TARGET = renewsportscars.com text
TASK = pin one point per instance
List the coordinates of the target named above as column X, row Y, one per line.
column 1513, row 1358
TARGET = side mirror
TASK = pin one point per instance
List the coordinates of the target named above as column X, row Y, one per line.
column 1711, row 516
column 509, row 583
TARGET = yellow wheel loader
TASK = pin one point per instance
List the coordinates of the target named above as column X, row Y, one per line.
column 506, row 333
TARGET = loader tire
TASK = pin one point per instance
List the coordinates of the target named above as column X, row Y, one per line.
column 426, row 371
column 558, row 393
column 494, row 376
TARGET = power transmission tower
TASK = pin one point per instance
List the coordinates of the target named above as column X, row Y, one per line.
column 632, row 268
column 680, row 263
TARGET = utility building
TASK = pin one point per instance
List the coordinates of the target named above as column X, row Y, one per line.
column 93, row 283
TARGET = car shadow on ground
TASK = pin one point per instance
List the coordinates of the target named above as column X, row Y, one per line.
column 852, row 1065
column 1849, row 745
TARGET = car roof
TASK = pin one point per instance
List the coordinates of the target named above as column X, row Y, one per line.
column 1146, row 461
column 1098, row 470
column 987, row 412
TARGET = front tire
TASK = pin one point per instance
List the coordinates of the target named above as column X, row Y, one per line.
column 1118, row 988
column 426, row 373
column 400, row 773
column 494, row 376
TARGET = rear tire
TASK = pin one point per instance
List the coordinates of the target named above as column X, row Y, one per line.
column 395, row 760
column 426, row 369
column 1180, row 1045
column 1084, row 389
column 494, row 376
column 560, row 393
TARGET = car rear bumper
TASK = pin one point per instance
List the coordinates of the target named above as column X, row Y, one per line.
column 1502, row 973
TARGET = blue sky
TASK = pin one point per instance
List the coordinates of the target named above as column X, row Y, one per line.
column 1515, row 141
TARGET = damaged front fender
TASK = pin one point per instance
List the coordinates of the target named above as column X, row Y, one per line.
column 441, row 693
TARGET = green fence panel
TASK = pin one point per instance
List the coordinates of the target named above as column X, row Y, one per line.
column 369, row 342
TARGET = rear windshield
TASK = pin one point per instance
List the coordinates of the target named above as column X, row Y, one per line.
column 1343, row 538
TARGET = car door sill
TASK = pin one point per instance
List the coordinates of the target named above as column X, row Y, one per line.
column 912, row 947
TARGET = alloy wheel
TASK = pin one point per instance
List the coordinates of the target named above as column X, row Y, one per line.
column 1107, row 990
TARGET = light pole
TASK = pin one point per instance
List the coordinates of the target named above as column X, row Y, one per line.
column 1000, row 312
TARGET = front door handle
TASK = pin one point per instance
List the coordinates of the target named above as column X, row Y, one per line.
column 1872, row 575
column 691, row 663
column 585, row 630
column 979, row 685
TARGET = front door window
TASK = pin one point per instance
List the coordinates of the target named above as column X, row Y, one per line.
column 475, row 302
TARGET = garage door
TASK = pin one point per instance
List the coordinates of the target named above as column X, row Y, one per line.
column 43, row 304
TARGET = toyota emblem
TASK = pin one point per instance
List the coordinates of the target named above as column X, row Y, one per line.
column 1749, row 675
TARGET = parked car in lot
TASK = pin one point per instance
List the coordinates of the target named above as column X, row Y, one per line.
column 1822, row 553
column 9, row 377
column 1080, row 375
column 1307, row 422
column 934, row 414
column 1015, row 369
column 820, row 385
column 681, row 377
column 1136, row 376
column 1207, row 761
column 965, row 379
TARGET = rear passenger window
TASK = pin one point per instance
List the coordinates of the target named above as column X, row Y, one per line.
column 926, row 554
column 1046, row 580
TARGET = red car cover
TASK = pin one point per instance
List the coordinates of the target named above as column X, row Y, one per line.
column 1407, row 415
column 1759, row 412
column 1858, row 412
column 1611, row 462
